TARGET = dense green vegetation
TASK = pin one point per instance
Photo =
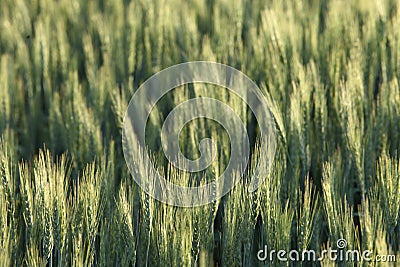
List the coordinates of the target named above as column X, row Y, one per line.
column 329, row 69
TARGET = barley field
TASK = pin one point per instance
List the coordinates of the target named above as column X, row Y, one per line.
column 329, row 70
